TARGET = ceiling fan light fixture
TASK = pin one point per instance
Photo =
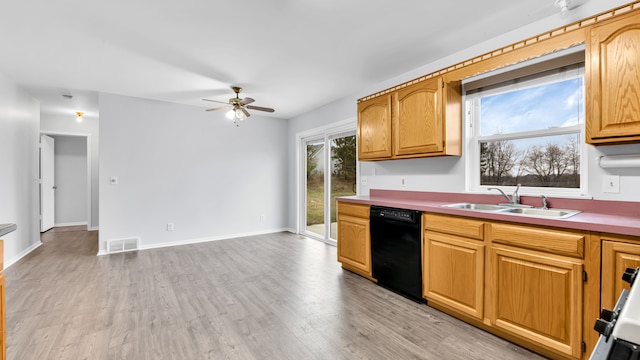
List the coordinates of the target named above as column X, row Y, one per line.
column 240, row 114
column 237, row 106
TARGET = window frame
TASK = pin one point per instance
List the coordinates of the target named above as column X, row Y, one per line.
column 471, row 111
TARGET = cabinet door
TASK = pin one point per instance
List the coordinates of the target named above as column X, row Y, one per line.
column 613, row 81
column 417, row 118
column 354, row 244
column 616, row 257
column 538, row 298
column 454, row 272
column 374, row 128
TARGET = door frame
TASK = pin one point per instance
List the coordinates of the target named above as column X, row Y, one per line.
column 47, row 183
column 89, row 166
column 323, row 131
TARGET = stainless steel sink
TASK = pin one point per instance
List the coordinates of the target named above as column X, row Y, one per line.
column 478, row 207
column 544, row 213
column 514, row 210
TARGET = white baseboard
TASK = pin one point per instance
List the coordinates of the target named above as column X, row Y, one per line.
column 93, row 228
column 71, row 224
column 207, row 239
column 22, row 254
column 202, row 240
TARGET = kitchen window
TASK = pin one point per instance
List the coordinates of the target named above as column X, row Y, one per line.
column 526, row 126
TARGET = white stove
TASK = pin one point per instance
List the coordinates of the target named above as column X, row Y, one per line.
column 620, row 328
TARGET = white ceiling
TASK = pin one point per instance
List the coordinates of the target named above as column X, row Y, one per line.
column 293, row 55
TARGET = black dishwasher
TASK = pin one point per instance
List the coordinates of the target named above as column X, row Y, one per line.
column 396, row 250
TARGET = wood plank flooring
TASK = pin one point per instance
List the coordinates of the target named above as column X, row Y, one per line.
column 277, row 296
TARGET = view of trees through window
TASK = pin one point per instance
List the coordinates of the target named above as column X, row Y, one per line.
column 342, row 172
column 553, row 164
column 531, row 136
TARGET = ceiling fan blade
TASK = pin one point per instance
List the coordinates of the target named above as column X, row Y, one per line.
column 260, row 108
column 246, row 101
column 216, row 101
column 246, row 113
column 219, row 108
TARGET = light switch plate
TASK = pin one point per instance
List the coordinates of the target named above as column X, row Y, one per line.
column 611, row 184
column 113, row 180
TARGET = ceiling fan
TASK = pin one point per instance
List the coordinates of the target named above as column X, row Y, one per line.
column 238, row 107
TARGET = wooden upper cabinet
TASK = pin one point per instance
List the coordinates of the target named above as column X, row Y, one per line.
column 374, row 128
column 424, row 119
column 417, row 119
column 613, row 81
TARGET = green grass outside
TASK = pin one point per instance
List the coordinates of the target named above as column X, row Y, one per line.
column 315, row 197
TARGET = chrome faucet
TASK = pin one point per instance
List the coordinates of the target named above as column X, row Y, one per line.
column 514, row 199
column 544, row 202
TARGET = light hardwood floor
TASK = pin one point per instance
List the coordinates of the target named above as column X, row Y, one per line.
column 278, row 296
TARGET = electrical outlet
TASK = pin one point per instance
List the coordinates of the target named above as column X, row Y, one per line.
column 611, row 184
column 170, row 227
column 363, row 181
column 261, row 218
column 403, row 181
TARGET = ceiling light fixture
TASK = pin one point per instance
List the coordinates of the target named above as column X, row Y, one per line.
column 564, row 7
column 235, row 115
column 79, row 116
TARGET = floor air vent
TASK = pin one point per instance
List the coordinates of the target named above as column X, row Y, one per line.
column 122, row 245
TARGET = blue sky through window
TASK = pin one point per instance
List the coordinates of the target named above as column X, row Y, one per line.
column 557, row 104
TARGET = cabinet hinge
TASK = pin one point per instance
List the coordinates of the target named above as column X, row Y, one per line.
column 584, row 347
column 584, row 276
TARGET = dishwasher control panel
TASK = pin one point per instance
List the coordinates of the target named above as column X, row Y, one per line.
column 394, row 214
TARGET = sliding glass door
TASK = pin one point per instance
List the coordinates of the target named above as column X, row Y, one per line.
column 329, row 171
column 315, row 186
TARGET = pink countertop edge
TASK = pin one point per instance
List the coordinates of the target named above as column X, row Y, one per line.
column 616, row 217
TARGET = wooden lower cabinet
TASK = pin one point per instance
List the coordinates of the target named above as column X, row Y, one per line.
column 537, row 297
column 536, row 285
column 453, row 274
column 521, row 282
column 354, row 241
column 617, row 255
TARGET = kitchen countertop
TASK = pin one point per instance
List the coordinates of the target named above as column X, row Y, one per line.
column 616, row 217
column 7, row 228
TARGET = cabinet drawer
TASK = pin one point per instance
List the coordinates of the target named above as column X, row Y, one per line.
column 473, row 229
column 358, row 210
column 561, row 242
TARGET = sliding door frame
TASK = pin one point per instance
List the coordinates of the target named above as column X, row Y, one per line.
column 326, row 132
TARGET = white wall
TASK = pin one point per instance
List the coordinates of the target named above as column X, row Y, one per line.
column 180, row 164
column 19, row 173
column 70, row 170
column 55, row 124
column 447, row 174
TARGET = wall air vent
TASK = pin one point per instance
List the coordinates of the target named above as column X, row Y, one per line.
column 122, row 245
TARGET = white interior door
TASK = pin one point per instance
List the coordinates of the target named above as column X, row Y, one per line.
column 47, row 183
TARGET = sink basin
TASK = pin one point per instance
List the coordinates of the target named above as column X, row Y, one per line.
column 478, row 207
column 548, row 213
column 513, row 210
